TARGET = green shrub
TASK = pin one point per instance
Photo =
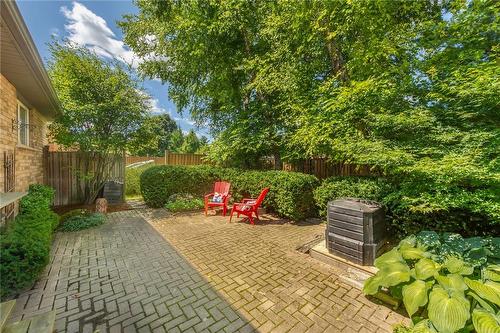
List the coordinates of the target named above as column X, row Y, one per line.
column 25, row 245
column 184, row 202
column 418, row 205
column 446, row 282
column 291, row 193
column 368, row 188
column 80, row 219
column 132, row 180
column 158, row 183
column 71, row 213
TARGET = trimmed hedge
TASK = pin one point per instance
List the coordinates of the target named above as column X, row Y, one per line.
column 368, row 188
column 291, row 193
column 25, row 245
column 132, row 180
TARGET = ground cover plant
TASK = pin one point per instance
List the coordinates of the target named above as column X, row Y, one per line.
column 25, row 244
column 184, row 202
column 447, row 283
column 290, row 195
column 80, row 219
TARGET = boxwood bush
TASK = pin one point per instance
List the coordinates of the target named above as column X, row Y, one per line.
column 291, row 193
column 25, row 244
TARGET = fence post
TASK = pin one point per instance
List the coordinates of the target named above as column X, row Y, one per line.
column 166, row 153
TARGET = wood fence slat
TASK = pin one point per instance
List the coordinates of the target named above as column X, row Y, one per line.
column 63, row 171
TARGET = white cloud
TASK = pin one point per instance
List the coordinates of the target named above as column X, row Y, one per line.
column 156, row 107
column 88, row 29
column 54, row 32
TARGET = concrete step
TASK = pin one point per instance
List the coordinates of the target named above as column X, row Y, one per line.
column 43, row 323
column 5, row 310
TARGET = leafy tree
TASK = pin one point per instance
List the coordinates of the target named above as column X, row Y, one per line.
column 211, row 67
column 408, row 87
column 103, row 109
column 176, row 140
column 191, row 143
column 155, row 136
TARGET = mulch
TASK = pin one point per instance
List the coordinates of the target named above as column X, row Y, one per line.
column 111, row 208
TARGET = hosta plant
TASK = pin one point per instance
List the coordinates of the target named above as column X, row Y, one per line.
column 447, row 283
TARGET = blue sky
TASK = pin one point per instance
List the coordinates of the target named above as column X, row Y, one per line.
column 93, row 24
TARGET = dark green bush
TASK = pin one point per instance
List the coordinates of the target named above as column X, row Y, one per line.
column 25, row 245
column 80, row 219
column 407, row 215
column 368, row 188
column 291, row 193
column 415, row 206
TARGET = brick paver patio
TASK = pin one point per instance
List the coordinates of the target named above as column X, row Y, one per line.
column 202, row 275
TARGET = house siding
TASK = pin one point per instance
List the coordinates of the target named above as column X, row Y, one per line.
column 29, row 160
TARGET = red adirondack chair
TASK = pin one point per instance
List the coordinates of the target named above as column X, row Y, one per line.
column 222, row 188
column 249, row 206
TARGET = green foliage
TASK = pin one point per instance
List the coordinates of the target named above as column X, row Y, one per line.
column 80, row 219
column 158, row 183
column 184, row 202
column 103, row 109
column 160, row 133
column 368, row 188
column 25, row 245
column 291, row 193
column 191, row 143
column 132, row 179
column 402, row 218
column 447, row 277
column 413, row 92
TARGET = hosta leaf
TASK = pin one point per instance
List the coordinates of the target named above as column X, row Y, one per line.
column 423, row 326
column 458, row 266
column 475, row 243
column 412, row 252
column 415, row 295
column 481, row 301
column 372, row 285
column 425, row 268
column 489, row 291
column 485, row 322
column 409, row 241
column 428, row 239
column 394, row 274
column 492, row 272
column 452, row 282
column 494, row 285
column 447, row 313
column 389, row 258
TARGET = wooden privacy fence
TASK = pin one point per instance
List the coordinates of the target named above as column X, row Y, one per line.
column 321, row 168
column 63, row 171
column 169, row 159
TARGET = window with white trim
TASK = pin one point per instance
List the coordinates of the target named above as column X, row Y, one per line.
column 23, row 120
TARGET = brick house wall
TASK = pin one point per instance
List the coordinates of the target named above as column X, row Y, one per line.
column 29, row 159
